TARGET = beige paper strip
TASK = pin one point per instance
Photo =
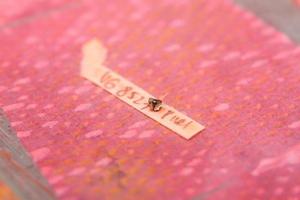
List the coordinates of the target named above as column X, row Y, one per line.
column 92, row 69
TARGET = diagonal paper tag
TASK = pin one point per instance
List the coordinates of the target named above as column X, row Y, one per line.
column 92, row 69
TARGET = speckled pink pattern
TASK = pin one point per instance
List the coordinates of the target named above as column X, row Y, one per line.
column 220, row 64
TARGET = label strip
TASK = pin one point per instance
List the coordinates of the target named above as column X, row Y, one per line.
column 92, row 69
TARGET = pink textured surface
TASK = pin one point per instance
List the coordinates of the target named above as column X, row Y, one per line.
column 220, row 64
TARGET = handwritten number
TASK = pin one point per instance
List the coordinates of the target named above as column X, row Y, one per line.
column 138, row 101
column 123, row 92
column 108, row 81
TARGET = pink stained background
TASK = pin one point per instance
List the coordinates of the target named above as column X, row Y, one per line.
column 219, row 63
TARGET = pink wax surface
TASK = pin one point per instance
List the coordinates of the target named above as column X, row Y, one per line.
column 218, row 63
